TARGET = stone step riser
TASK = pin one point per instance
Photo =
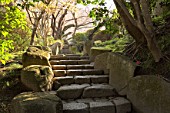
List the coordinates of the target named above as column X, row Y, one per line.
column 100, row 105
column 90, row 79
column 76, row 91
column 69, row 58
column 69, row 62
column 88, row 93
column 65, row 67
column 61, row 73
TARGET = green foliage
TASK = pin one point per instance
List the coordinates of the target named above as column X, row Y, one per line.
column 80, row 37
column 11, row 18
column 5, row 48
column 116, row 44
column 86, row 2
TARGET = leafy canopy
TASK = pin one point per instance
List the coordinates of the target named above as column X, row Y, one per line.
column 11, row 18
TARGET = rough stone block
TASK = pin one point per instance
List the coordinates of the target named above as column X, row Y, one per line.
column 36, row 55
column 37, row 77
column 100, row 62
column 64, row 80
column 54, row 62
column 102, row 107
column 92, row 72
column 67, row 62
column 59, row 73
column 88, row 66
column 96, row 79
column 121, row 71
column 83, row 62
column 74, row 72
column 39, row 102
column 82, row 79
column 101, row 99
column 97, row 51
column 149, row 94
column 99, row 90
column 75, row 108
column 75, row 66
column 58, row 67
column 122, row 105
column 71, row 91
column 85, row 100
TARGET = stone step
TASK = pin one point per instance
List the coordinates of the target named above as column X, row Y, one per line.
column 67, row 80
column 59, row 67
column 72, row 91
column 74, row 72
column 64, row 67
column 72, row 55
column 69, row 62
column 59, row 57
column 75, row 91
column 59, row 73
column 97, row 105
column 98, row 90
column 85, row 66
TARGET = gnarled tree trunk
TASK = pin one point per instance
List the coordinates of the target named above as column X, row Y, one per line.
column 140, row 26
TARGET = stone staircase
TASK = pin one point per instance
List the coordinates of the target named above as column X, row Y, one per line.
column 83, row 88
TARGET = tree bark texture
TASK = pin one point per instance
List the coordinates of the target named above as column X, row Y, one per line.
column 140, row 26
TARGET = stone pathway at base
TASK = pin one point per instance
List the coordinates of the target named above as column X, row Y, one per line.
column 83, row 88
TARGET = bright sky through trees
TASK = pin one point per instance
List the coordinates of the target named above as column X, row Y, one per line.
column 109, row 4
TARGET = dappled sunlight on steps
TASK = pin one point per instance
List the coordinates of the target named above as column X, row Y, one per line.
column 83, row 88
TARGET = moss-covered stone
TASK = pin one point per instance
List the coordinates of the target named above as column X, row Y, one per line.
column 37, row 77
column 121, row 71
column 149, row 94
column 38, row 102
column 44, row 48
column 97, row 51
column 36, row 56
column 100, row 62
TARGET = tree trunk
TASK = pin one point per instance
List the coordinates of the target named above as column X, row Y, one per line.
column 140, row 27
column 130, row 25
column 33, row 35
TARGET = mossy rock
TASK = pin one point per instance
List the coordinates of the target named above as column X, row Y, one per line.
column 35, row 56
column 121, row 70
column 39, row 50
column 36, row 102
column 94, row 51
column 37, row 77
column 44, row 48
column 149, row 94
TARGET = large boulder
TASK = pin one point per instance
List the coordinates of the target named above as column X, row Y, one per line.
column 121, row 71
column 37, row 77
column 100, row 62
column 97, row 51
column 35, row 56
column 149, row 94
column 38, row 102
